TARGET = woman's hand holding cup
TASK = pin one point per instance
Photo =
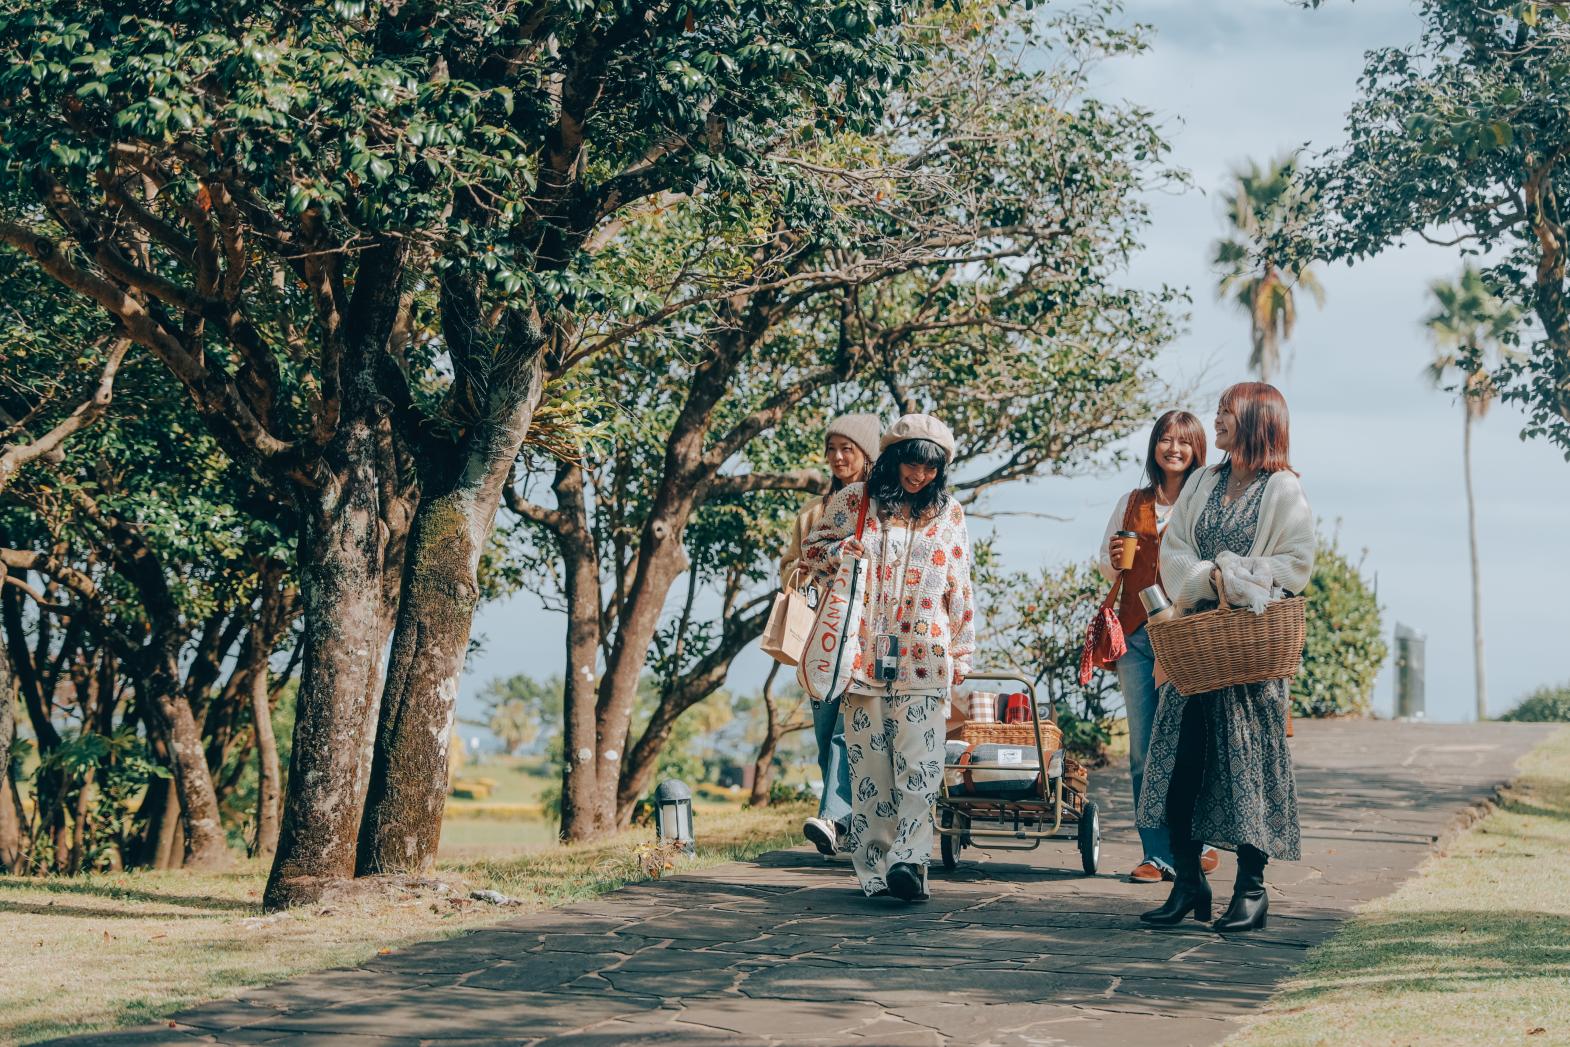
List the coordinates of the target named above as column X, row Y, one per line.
column 1123, row 547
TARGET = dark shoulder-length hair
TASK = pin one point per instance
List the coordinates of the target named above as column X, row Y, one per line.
column 1263, row 439
column 884, row 483
column 1185, row 426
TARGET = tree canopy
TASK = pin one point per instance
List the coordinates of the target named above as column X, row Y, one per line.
column 1460, row 139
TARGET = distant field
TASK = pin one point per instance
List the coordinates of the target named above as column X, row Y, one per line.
column 510, row 817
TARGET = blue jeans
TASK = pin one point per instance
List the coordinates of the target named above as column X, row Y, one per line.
column 1137, row 681
column 828, row 725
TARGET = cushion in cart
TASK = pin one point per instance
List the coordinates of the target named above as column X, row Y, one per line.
column 1014, row 778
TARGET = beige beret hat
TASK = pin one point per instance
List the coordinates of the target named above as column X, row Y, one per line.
column 919, row 427
column 860, row 429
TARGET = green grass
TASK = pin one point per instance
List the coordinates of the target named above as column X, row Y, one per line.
column 1475, row 950
column 109, row 950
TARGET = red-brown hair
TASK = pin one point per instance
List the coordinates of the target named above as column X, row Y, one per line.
column 1185, row 426
column 1263, row 439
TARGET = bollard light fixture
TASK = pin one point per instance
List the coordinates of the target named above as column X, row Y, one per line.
column 673, row 814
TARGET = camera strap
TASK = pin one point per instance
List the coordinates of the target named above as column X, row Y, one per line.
column 883, row 625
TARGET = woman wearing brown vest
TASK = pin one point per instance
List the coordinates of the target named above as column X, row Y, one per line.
column 1176, row 451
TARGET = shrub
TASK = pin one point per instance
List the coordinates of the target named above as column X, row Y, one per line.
column 1544, row 705
column 1345, row 645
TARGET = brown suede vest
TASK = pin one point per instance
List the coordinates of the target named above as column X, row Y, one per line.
column 1140, row 518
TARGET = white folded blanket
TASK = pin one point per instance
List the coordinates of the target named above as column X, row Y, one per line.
column 1248, row 581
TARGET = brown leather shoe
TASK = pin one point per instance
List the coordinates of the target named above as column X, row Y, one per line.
column 1147, row 872
column 1209, row 860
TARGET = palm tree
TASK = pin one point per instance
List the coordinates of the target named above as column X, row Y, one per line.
column 1261, row 205
column 1471, row 329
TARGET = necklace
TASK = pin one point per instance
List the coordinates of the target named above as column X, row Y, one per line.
column 1234, row 489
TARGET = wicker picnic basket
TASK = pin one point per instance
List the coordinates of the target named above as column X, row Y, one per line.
column 977, row 733
column 1230, row 646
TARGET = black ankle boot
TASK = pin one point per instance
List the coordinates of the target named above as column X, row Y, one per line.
column 1190, row 889
column 1250, row 904
column 905, row 882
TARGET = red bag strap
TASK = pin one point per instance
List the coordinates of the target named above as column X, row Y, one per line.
column 1128, row 511
column 861, row 517
column 1112, row 596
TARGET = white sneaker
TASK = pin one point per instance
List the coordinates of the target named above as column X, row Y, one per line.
column 820, row 833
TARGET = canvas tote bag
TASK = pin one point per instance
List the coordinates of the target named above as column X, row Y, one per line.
column 790, row 622
column 834, row 643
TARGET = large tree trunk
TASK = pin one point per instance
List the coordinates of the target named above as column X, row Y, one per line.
column 342, row 550
column 584, row 812
column 602, row 782
column 1478, row 668
column 408, row 785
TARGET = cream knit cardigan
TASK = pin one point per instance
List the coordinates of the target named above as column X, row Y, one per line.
column 936, row 622
column 1284, row 542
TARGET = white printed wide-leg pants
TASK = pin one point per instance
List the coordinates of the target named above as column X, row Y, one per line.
column 894, row 744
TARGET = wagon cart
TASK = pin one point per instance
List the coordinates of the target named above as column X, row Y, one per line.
column 988, row 793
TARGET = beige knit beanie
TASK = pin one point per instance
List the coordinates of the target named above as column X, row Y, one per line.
column 919, row 427
column 860, row 429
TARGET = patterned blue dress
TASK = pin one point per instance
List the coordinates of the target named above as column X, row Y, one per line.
column 1247, row 795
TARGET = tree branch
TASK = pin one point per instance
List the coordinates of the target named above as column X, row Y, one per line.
column 13, row 458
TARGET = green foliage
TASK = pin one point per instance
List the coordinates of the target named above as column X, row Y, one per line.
column 1035, row 624
column 1547, row 704
column 969, row 256
column 785, row 793
column 115, row 769
column 1345, row 645
column 519, row 709
column 375, row 118
column 1458, row 139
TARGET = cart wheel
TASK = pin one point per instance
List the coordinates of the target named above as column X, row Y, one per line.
column 948, row 846
column 1089, row 838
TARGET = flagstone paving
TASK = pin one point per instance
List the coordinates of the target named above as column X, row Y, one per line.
column 1013, row 949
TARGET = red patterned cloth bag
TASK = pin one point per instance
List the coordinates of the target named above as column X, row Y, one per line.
column 1104, row 643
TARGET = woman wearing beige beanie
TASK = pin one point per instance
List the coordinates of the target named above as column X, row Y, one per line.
column 850, row 445
column 918, row 632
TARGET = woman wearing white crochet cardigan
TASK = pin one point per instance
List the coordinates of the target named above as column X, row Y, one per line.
column 919, row 600
column 1218, row 769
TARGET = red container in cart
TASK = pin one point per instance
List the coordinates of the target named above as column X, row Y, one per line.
column 1017, row 709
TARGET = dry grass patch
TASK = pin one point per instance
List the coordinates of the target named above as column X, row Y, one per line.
column 1474, row 950
column 111, row 950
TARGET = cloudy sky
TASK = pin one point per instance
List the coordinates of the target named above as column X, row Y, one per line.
column 1379, row 450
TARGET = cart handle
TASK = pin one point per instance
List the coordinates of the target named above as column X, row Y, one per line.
column 1035, row 720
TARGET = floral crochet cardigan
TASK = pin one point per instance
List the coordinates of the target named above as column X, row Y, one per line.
column 935, row 619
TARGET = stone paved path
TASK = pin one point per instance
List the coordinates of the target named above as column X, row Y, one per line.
column 1012, row 949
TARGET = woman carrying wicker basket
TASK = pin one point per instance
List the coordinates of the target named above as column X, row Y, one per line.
column 1218, row 770
column 917, row 635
